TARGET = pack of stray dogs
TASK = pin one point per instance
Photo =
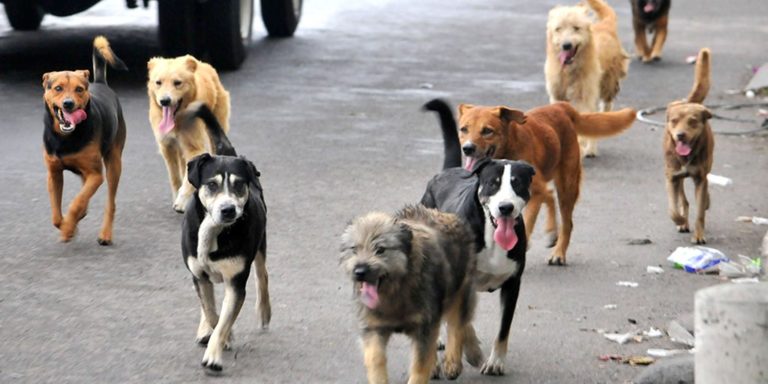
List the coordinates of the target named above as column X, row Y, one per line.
column 416, row 269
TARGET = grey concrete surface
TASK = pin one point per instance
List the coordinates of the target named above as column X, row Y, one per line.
column 331, row 118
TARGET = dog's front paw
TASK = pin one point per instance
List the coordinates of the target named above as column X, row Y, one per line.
column 683, row 228
column 647, row 60
column 698, row 239
column 556, row 260
column 180, row 202
column 67, row 230
column 551, row 239
column 56, row 221
column 212, row 359
column 494, row 366
column 473, row 353
column 451, row 369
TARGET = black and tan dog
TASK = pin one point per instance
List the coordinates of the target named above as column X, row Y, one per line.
column 650, row 16
column 490, row 198
column 84, row 132
column 410, row 271
column 688, row 150
column 223, row 233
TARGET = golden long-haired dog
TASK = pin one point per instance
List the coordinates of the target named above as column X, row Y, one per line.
column 688, row 150
column 410, row 271
column 171, row 86
column 585, row 60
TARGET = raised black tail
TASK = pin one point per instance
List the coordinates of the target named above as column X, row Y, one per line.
column 103, row 55
column 220, row 139
column 450, row 134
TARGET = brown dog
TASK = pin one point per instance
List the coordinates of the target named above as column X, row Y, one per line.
column 545, row 137
column 171, row 86
column 84, row 128
column 688, row 151
column 650, row 16
column 585, row 60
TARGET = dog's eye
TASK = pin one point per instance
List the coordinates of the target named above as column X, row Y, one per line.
column 212, row 186
column 486, row 132
column 158, row 82
column 674, row 121
column 380, row 250
column 59, row 88
column 176, row 83
column 238, row 186
column 79, row 89
column 464, row 130
column 557, row 29
column 576, row 29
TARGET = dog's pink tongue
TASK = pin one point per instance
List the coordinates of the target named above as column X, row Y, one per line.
column 564, row 57
column 167, row 123
column 469, row 163
column 682, row 149
column 648, row 8
column 75, row 117
column 369, row 295
column 505, row 235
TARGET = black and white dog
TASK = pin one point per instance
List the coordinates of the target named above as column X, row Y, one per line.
column 490, row 198
column 224, row 231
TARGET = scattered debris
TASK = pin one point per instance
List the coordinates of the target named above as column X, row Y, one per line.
column 639, row 360
column 719, row 180
column 748, row 280
column 630, row 284
column 743, row 267
column 754, row 219
column 657, row 352
column 653, row 333
column 759, row 81
column 639, row 242
column 696, row 259
column 426, row 86
column 678, row 334
column 610, row 306
column 690, row 60
column 632, row 321
column 654, row 269
column 610, row 357
column 621, row 338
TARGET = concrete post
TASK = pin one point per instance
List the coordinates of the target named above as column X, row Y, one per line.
column 732, row 334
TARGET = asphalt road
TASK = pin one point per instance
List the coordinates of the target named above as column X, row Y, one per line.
column 331, row 118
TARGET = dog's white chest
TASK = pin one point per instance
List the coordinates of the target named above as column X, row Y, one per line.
column 217, row 271
column 493, row 265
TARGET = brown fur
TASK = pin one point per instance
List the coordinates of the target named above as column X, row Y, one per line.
column 86, row 162
column 688, row 121
column 657, row 26
column 198, row 82
column 545, row 137
column 598, row 66
column 424, row 250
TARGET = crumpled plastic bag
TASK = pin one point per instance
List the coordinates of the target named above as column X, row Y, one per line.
column 697, row 259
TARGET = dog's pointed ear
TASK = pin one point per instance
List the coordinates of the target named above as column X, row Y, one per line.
column 46, row 76
column 463, row 108
column 191, row 63
column 194, row 168
column 84, row 73
column 509, row 114
column 152, row 62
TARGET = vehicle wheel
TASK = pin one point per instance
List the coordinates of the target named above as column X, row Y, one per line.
column 228, row 26
column 177, row 32
column 24, row 15
column 281, row 17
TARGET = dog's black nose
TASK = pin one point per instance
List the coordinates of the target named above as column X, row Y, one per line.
column 567, row 46
column 68, row 104
column 469, row 149
column 165, row 101
column 506, row 208
column 680, row 136
column 228, row 212
column 360, row 271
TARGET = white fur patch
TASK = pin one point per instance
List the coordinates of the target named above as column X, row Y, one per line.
column 505, row 195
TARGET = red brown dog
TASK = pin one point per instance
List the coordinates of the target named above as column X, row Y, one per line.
column 545, row 137
column 84, row 128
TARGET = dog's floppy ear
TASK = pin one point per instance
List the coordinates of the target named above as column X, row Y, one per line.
column 84, row 73
column 463, row 108
column 194, row 168
column 191, row 63
column 46, row 76
column 509, row 114
column 705, row 114
column 152, row 62
column 527, row 169
column 480, row 165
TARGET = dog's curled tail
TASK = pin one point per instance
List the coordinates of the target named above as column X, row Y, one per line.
column 103, row 55
column 604, row 124
column 604, row 11
column 452, row 147
column 701, row 78
column 198, row 109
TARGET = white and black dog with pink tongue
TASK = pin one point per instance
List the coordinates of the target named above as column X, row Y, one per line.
column 490, row 198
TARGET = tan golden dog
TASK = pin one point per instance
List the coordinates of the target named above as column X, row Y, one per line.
column 585, row 60
column 688, row 150
column 545, row 137
column 172, row 85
